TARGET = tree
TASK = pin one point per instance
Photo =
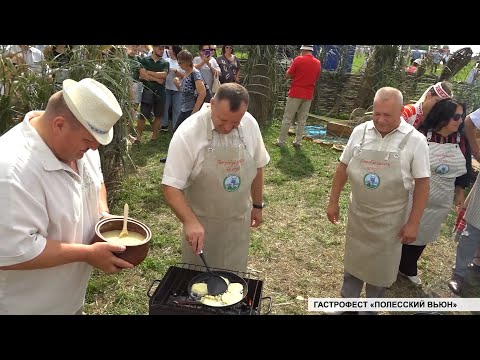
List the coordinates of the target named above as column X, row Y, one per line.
column 25, row 91
column 261, row 81
column 384, row 67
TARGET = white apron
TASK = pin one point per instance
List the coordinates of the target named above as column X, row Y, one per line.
column 447, row 162
column 220, row 198
column 376, row 212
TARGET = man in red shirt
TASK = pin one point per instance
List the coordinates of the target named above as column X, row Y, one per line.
column 304, row 72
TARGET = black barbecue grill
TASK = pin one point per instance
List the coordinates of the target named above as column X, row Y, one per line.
column 170, row 296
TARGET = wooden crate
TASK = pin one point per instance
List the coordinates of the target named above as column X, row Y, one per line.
column 339, row 128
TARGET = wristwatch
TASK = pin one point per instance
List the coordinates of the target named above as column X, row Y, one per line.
column 259, row 206
column 104, row 214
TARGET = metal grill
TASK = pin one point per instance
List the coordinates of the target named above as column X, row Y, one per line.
column 170, row 296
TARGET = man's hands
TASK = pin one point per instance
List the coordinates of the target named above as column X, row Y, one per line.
column 176, row 82
column 256, row 217
column 408, row 233
column 459, row 199
column 101, row 256
column 195, row 235
column 333, row 212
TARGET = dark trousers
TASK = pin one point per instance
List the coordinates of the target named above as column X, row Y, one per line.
column 181, row 118
column 352, row 288
column 410, row 256
column 152, row 101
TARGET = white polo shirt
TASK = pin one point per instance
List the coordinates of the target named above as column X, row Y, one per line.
column 414, row 158
column 186, row 151
column 42, row 198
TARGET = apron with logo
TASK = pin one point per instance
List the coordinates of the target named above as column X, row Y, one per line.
column 377, row 211
column 447, row 162
column 220, row 198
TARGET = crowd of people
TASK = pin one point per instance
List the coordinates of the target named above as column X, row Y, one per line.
column 435, row 55
column 174, row 82
column 407, row 168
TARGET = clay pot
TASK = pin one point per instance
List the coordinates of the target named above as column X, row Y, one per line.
column 134, row 254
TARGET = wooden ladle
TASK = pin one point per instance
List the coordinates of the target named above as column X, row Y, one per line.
column 124, row 231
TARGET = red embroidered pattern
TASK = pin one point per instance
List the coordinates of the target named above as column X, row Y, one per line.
column 440, row 92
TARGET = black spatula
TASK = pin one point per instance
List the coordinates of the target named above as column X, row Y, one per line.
column 215, row 283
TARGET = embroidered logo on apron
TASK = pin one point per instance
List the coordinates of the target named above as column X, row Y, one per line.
column 231, row 183
column 442, row 169
column 371, row 181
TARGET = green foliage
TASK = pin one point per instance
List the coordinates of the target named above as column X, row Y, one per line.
column 26, row 91
column 385, row 67
column 262, row 81
column 262, row 54
column 469, row 95
column 193, row 49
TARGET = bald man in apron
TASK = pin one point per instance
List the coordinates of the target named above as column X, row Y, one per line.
column 382, row 160
column 213, row 180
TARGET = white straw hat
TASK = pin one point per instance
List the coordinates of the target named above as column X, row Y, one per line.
column 94, row 105
column 307, row 47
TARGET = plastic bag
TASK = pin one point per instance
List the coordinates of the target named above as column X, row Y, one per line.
column 215, row 84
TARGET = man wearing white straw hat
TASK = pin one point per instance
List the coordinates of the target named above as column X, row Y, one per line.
column 304, row 72
column 52, row 195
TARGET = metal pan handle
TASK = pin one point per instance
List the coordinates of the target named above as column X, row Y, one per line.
column 269, row 305
column 149, row 292
column 187, row 302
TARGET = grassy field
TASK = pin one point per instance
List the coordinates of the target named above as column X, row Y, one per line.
column 297, row 252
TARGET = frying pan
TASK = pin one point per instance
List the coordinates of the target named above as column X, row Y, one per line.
column 204, row 276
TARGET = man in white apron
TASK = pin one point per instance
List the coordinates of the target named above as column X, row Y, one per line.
column 448, row 151
column 382, row 160
column 468, row 246
column 213, row 179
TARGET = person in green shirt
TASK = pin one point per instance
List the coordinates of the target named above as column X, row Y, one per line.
column 152, row 73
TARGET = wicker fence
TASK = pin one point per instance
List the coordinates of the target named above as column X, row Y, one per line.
column 328, row 92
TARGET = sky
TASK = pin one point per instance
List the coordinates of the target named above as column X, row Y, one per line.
column 475, row 48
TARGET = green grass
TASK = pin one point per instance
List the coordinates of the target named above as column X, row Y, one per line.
column 357, row 63
column 462, row 74
column 296, row 252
